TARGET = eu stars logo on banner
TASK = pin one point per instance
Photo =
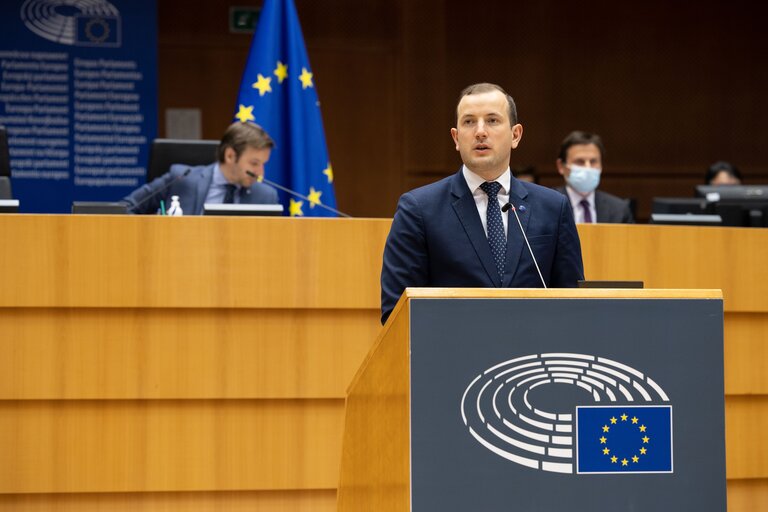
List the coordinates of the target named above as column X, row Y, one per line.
column 624, row 439
column 278, row 92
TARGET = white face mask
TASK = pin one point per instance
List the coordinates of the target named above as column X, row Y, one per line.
column 583, row 179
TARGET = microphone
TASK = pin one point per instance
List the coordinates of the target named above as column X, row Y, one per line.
column 161, row 190
column 510, row 206
column 284, row 189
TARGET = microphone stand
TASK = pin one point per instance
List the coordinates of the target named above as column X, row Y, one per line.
column 284, row 189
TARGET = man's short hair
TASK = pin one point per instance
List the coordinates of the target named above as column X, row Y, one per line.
column 721, row 166
column 241, row 135
column 487, row 87
column 578, row 138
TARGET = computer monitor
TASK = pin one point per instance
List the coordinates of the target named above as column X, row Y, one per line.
column 686, row 219
column 99, row 208
column 681, row 205
column 714, row 193
column 165, row 152
column 9, row 206
column 243, row 209
column 738, row 205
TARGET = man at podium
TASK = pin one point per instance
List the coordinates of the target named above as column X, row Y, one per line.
column 481, row 227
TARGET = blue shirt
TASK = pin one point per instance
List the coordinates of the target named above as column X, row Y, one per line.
column 218, row 188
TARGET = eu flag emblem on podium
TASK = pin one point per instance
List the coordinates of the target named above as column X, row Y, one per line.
column 278, row 92
column 614, row 439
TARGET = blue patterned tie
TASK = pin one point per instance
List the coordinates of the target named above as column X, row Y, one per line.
column 496, row 237
column 229, row 196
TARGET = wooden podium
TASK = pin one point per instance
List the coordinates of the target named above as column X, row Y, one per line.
column 489, row 399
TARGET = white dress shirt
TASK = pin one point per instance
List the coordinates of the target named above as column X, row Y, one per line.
column 218, row 188
column 578, row 210
column 481, row 198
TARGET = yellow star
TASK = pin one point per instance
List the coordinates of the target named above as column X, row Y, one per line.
column 643, row 450
column 624, row 462
column 603, row 440
column 642, row 428
column 635, row 458
column 329, row 172
column 295, row 208
column 606, row 428
column 606, row 451
column 634, row 420
column 245, row 113
column 314, row 197
column 306, row 78
column 263, row 84
column 281, row 72
column 646, row 439
column 624, row 417
column 613, row 421
column 614, row 459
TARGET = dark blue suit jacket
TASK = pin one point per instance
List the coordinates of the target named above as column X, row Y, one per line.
column 437, row 239
column 192, row 190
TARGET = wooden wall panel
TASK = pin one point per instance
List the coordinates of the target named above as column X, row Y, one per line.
column 748, row 495
column 169, row 445
column 681, row 257
column 57, row 353
column 73, row 279
column 235, row 501
column 746, row 422
column 746, row 354
column 153, row 261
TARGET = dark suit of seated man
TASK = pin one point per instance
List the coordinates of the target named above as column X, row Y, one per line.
column 244, row 147
column 580, row 162
column 453, row 233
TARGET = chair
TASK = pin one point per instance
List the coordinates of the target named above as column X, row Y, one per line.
column 165, row 152
column 5, row 156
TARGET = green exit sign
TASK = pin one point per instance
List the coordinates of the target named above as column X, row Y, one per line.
column 242, row 20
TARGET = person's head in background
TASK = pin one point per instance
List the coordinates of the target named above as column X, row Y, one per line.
column 723, row 173
column 244, row 147
column 527, row 173
column 580, row 161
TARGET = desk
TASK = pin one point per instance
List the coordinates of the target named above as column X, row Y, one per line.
column 198, row 362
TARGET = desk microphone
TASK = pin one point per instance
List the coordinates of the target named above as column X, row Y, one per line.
column 284, row 189
column 510, row 206
column 162, row 189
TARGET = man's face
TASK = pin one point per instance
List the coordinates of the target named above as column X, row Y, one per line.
column 251, row 159
column 483, row 136
column 585, row 155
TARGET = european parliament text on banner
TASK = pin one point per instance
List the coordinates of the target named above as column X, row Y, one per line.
column 78, row 96
column 278, row 92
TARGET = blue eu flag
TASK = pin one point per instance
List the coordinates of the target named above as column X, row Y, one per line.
column 634, row 439
column 278, row 92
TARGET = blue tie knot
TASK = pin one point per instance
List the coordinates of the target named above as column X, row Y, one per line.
column 491, row 188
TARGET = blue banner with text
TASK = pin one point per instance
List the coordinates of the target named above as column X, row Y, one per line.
column 78, row 98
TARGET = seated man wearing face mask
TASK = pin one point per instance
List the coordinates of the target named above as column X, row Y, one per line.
column 581, row 162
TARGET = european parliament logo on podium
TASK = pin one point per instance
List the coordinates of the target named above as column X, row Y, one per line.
column 507, row 413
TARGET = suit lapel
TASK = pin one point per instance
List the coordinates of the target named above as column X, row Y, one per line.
column 203, row 185
column 601, row 208
column 518, row 197
column 466, row 210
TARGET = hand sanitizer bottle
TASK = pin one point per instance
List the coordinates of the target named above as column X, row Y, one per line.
column 175, row 209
